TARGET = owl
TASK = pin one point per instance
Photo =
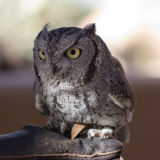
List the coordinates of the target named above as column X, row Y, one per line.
column 78, row 81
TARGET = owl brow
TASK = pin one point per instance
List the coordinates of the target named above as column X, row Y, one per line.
column 63, row 50
column 79, row 36
column 76, row 41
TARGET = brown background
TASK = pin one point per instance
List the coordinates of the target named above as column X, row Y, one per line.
column 17, row 109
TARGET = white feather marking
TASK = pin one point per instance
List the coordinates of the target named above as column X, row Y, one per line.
column 37, row 101
column 38, row 104
column 61, row 86
column 116, row 101
column 92, row 100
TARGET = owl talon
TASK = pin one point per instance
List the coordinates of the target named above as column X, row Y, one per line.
column 102, row 137
column 104, row 133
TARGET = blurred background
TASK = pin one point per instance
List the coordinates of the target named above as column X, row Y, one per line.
column 131, row 30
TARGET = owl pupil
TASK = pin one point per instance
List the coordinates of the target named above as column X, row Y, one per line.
column 72, row 52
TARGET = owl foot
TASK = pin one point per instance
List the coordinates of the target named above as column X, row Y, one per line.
column 103, row 133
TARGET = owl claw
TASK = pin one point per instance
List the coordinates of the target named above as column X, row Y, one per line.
column 103, row 133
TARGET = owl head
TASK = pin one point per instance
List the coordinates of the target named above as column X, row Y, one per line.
column 69, row 54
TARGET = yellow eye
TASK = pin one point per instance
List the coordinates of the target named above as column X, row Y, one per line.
column 73, row 53
column 42, row 55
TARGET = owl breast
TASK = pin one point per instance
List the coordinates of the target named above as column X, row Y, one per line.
column 67, row 103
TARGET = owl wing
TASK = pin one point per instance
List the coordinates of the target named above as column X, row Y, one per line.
column 121, row 92
column 39, row 99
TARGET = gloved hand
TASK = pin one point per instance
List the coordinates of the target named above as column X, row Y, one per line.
column 35, row 143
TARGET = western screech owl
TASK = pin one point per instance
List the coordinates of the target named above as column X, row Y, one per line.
column 79, row 81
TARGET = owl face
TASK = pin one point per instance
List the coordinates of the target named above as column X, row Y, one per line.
column 64, row 54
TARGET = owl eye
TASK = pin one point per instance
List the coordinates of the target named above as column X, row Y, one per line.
column 73, row 53
column 42, row 55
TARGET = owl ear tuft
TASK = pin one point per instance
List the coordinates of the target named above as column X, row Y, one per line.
column 90, row 28
column 45, row 30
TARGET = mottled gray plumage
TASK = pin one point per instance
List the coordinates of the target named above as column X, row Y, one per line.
column 91, row 89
